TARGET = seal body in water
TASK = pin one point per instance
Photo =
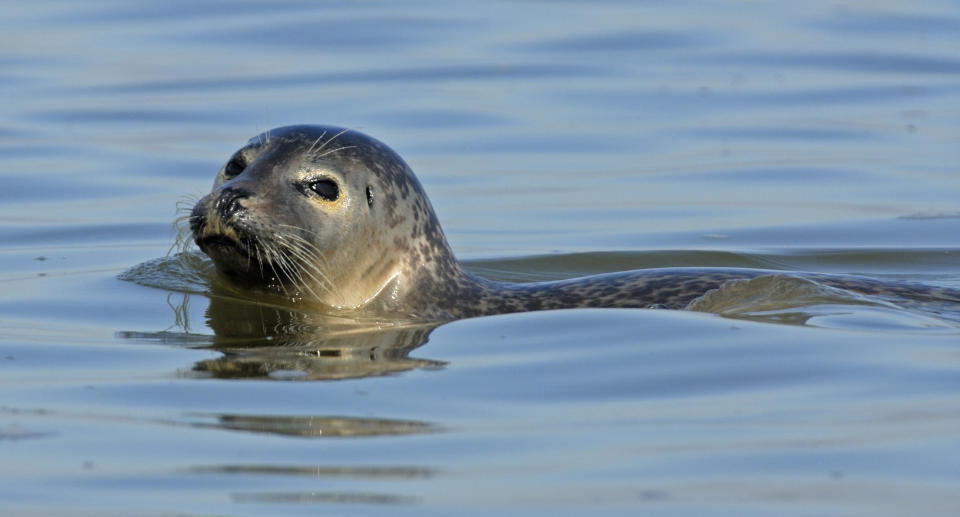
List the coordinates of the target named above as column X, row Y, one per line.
column 335, row 218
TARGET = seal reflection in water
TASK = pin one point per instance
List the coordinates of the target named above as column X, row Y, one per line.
column 334, row 219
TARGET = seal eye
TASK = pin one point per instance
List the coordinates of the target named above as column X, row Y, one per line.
column 233, row 167
column 325, row 188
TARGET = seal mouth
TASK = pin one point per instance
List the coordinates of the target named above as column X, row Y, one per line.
column 222, row 245
column 232, row 257
column 242, row 263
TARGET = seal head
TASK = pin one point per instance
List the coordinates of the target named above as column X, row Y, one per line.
column 324, row 215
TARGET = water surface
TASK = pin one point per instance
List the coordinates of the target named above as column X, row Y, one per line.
column 555, row 140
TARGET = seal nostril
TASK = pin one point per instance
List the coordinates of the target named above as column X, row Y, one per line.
column 228, row 202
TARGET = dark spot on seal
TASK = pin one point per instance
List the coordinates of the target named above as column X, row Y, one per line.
column 369, row 196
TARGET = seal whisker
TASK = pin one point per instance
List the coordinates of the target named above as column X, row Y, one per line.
column 306, row 259
column 309, row 249
column 331, row 151
column 315, row 142
column 182, row 240
column 294, row 275
column 181, row 224
column 285, row 269
column 291, row 259
column 312, row 259
column 186, row 203
column 308, row 231
column 252, row 246
column 264, row 128
column 332, row 138
column 260, row 261
column 293, row 236
column 275, row 261
column 302, row 260
column 282, row 271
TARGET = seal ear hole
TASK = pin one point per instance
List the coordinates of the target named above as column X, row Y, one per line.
column 369, row 195
column 325, row 188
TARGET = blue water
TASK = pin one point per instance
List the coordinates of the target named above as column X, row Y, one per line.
column 555, row 140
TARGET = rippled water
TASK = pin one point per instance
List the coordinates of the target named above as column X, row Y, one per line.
column 555, row 140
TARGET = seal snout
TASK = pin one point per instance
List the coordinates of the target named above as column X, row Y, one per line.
column 210, row 220
column 228, row 203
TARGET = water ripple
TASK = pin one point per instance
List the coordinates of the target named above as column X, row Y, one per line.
column 623, row 41
column 453, row 72
column 863, row 62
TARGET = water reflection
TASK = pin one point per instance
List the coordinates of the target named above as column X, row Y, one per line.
column 318, row 426
column 335, row 471
column 260, row 341
column 325, row 472
column 325, row 497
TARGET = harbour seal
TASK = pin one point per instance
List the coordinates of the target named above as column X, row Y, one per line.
column 335, row 219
